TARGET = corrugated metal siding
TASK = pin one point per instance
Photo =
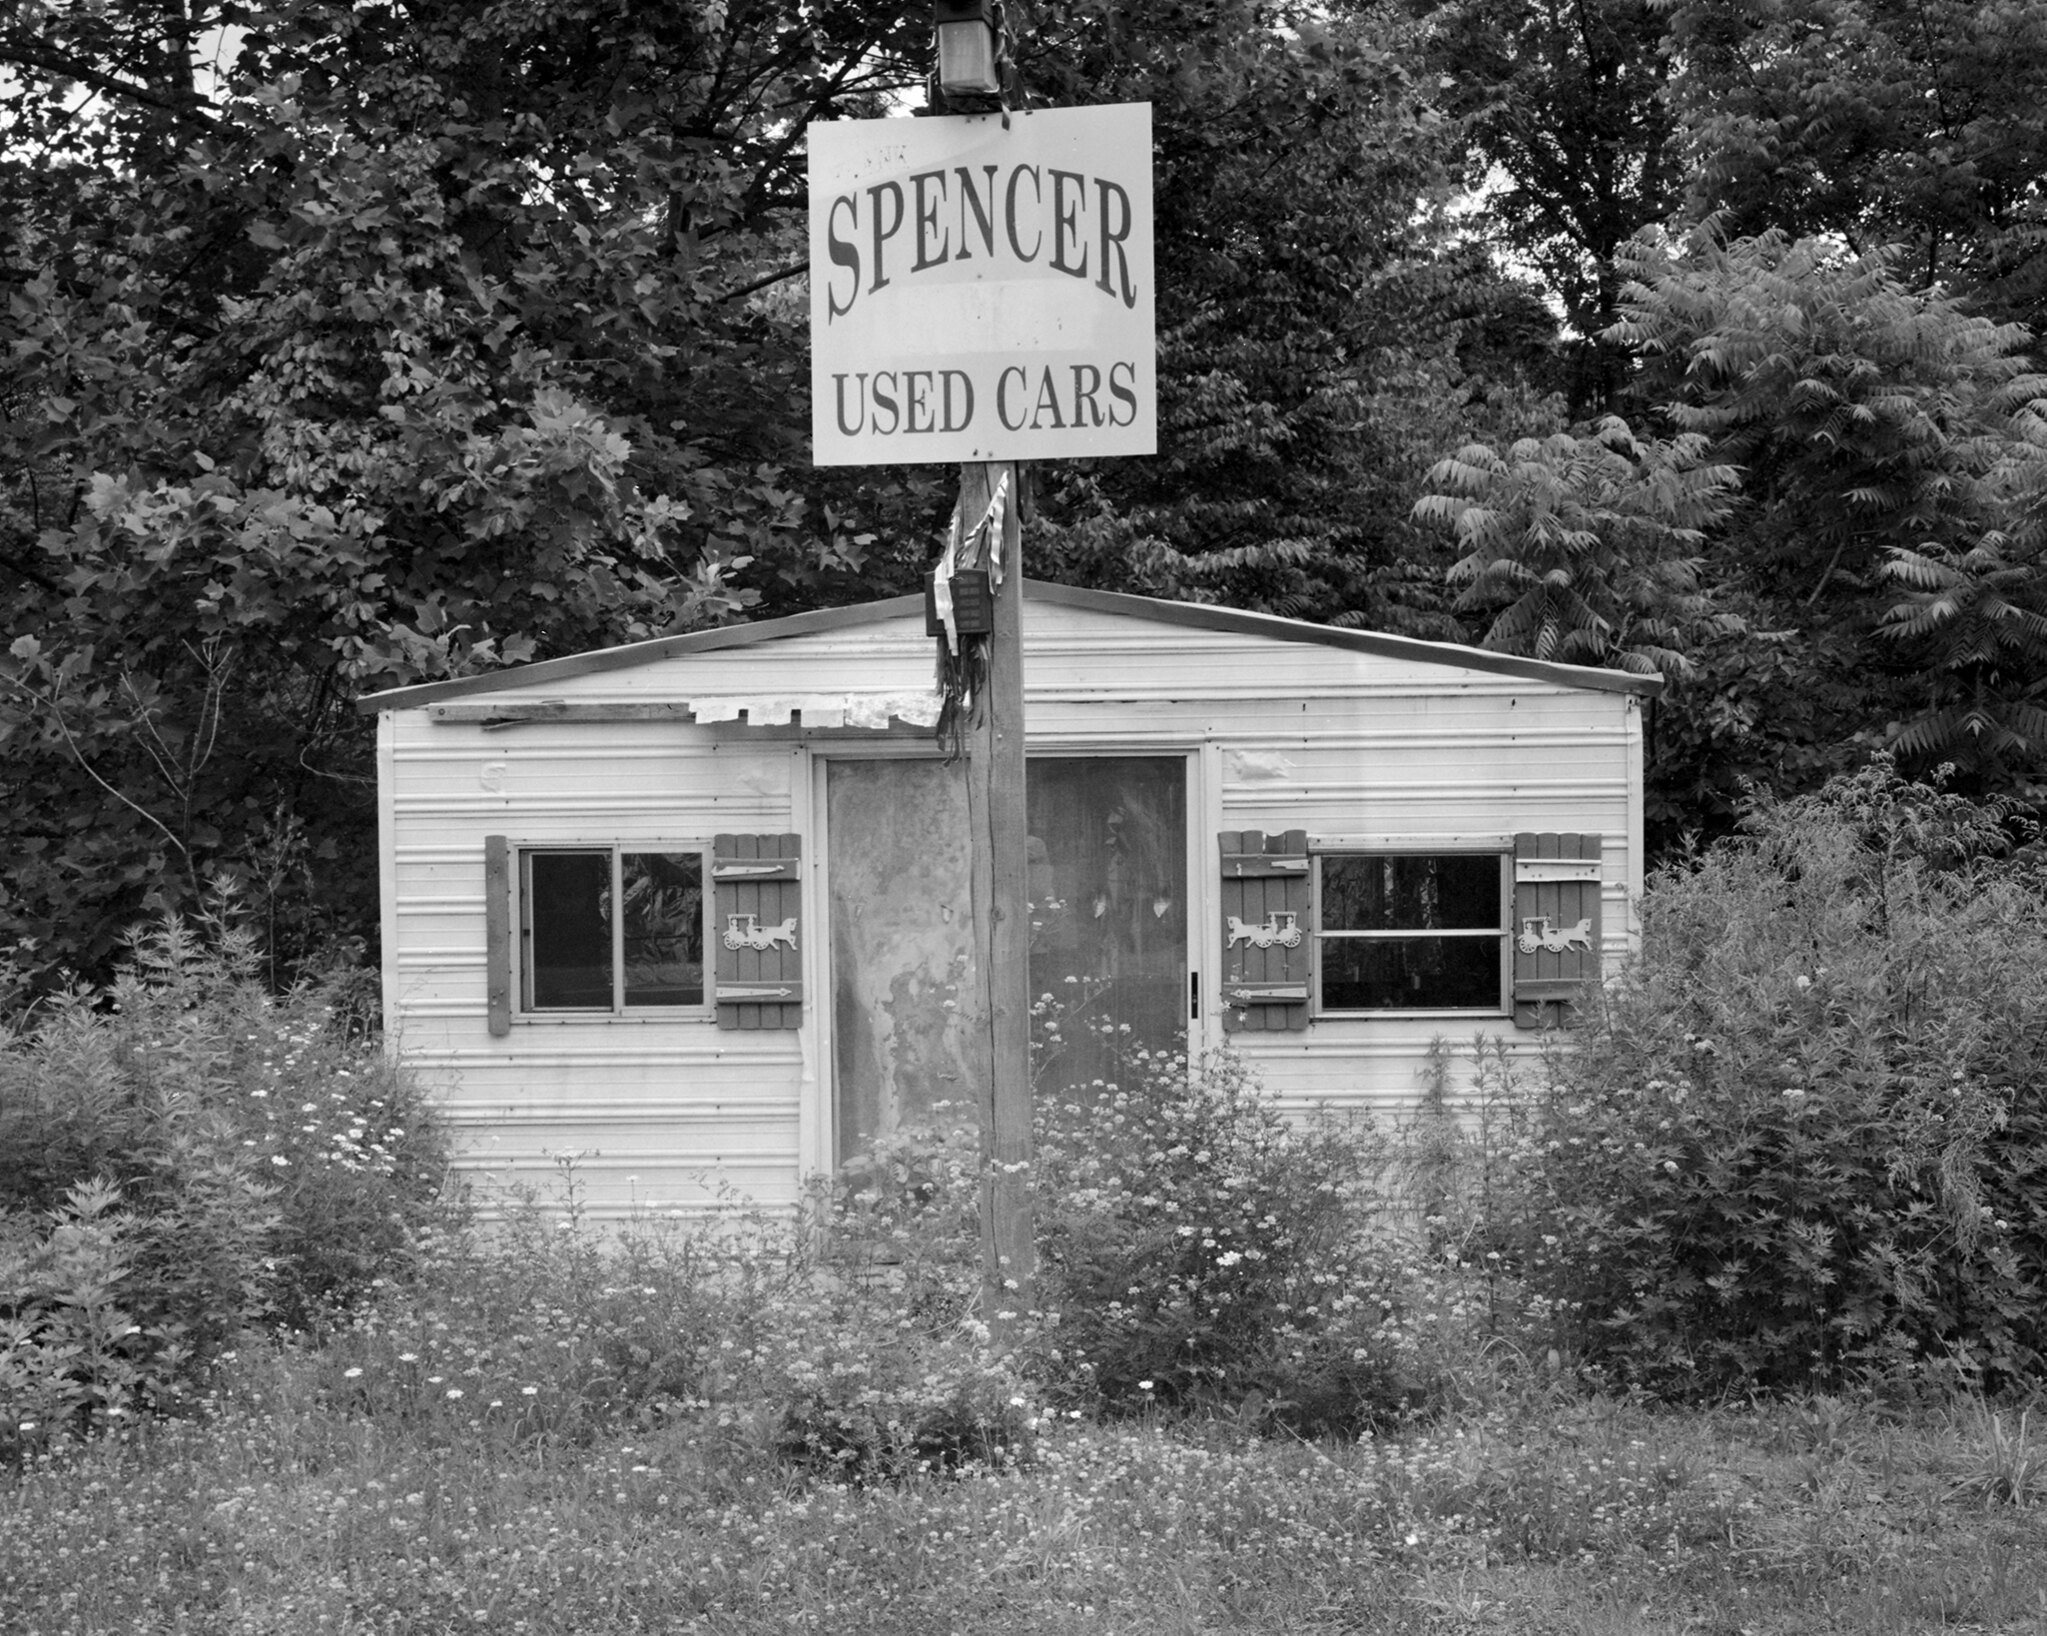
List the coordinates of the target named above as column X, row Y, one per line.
column 657, row 1113
column 671, row 1113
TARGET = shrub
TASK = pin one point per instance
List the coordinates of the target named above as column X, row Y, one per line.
column 208, row 1156
column 71, row 1346
column 1804, row 1136
column 881, row 1358
column 818, row 1342
column 867, row 1392
column 1198, row 1248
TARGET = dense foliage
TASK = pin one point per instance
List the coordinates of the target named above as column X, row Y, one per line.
column 1564, row 119
column 1803, row 1139
column 1836, row 549
column 387, row 344
column 1916, row 123
column 1198, row 1249
column 1318, row 331
column 353, row 345
column 183, row 1158
column 1199, row 1253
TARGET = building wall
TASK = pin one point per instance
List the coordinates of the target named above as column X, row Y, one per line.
column 1353, row 747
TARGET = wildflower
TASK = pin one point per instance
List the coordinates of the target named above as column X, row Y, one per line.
column 529, row 1391
column 454, row 1391
column 351, row 1374
column 408, row 1357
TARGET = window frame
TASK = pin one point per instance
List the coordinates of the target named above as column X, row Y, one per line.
column 1321, row 935
column 522, row 854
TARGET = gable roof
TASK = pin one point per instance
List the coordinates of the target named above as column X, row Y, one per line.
column 1198, row 615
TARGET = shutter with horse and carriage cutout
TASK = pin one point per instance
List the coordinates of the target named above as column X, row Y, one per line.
column 757, row 888
column 1556, row 925
column 1267, row 889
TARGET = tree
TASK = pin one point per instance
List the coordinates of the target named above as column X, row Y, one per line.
column 1562, row 111
column 1975, row 617
column 1890, row 450
column 1311, row 323
column 1321, row 327
column 1917, row 123
column 410, row 342
column 1583, row 549
column 1838, row 548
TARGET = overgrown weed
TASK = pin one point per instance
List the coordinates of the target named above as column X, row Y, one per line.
column 1801, row 1141
column 184, row 1156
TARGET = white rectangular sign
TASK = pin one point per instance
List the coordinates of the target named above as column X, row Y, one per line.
column 979, row 293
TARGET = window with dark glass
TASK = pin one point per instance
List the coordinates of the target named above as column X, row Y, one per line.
column 610, row 929
column 1414, row 931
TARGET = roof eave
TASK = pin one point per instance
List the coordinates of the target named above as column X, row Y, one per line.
column 1197, row 615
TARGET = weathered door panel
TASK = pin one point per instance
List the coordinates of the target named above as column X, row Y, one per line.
column 1109, row 887
column 906, row 1012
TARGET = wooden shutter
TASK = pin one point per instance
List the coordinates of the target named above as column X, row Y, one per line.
column 1267, row 941
column 497, row 931
column 1556, row 924
column 757, row 884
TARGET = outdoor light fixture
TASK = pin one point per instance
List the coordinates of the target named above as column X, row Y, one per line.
column 966, row 48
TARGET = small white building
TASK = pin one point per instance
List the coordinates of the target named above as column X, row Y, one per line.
column 695, row 910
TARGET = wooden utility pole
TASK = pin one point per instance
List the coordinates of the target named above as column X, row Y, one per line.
column 905, row 355
column 995, row 812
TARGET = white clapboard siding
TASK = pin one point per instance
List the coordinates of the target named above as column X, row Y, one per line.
column 1357, row 740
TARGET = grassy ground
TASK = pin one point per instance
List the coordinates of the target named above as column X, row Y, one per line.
column 284, row 1512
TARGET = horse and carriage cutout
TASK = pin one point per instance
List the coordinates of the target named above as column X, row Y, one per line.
column 1538, row 934
column 744, row 931
column 1282, row 930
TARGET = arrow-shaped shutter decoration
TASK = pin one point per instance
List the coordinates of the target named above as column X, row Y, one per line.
column 1556, row 925
column 1267, row 941
column 757, row 885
